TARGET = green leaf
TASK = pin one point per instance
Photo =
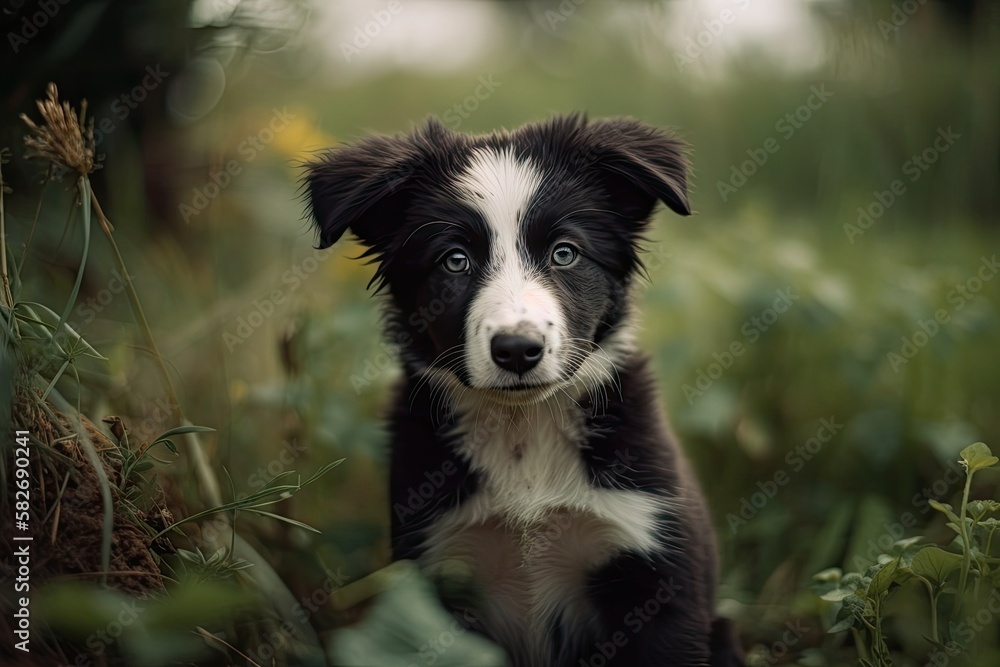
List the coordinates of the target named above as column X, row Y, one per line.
column 193, row 603
column 836, row 595
column 946, row 508
column 908, row 542
column 854, row 580
column 83, row 188
column 191, row 556
column 829, row 576
column 51, row 323
column 395, row 630
column 217, row 557
column 978, row 456
column 55, row 379
column 266, row 495
column 903, row 573
column 180, row 430
column 77, row 610
column 881, row 582
column 840, row 626
column 980, row 508
column 935, row 564
column 291, row 522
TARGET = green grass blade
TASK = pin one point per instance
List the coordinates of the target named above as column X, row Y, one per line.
column 59, row 374
column 292, row 522
column 84, row 190
column 181, row 430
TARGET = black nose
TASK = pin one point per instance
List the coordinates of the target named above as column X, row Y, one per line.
column 517, row 354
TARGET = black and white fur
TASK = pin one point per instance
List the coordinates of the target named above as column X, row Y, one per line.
column 527, row 439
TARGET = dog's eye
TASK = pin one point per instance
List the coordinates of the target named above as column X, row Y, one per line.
column 563, row 255
column 457, row 262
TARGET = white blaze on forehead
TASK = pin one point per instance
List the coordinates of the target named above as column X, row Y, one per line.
column 500, row 187
column 513, row 299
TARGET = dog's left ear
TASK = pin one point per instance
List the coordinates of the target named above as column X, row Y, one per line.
column 641, row 165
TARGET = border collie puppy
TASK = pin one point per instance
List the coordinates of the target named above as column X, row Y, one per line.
column 526, row 438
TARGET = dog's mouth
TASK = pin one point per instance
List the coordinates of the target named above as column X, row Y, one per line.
column 523, row 386
column 514, row 391
column 521, row 393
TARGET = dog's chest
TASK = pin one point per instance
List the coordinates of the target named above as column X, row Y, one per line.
column 536, row 527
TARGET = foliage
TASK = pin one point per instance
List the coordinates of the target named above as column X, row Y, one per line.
column 48, row 358
column 311, row 382
column 863, row 596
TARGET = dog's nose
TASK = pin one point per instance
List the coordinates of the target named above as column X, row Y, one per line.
column 517, row 354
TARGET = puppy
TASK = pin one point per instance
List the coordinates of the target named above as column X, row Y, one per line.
column 527, row 439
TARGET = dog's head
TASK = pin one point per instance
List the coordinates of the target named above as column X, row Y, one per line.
column 507, row 257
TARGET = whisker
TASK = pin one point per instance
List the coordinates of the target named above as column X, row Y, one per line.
column 427, row 372
column 432, row 222
column 587, row 210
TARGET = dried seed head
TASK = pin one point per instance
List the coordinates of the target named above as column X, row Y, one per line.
column 64, row 138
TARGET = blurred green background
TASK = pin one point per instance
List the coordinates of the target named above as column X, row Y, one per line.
column 846, row 178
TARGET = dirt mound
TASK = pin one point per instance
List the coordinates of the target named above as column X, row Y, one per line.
column 66, row 509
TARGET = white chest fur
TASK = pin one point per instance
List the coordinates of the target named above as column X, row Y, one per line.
column 536, row 526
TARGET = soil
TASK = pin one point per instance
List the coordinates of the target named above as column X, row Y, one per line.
column 67, row 513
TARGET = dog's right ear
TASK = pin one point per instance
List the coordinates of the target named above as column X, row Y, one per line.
column 365, row 187
column 361, row 187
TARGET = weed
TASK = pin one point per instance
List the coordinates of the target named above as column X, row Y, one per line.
column 863, row 596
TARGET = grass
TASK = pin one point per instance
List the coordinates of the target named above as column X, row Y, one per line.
column 282, row 400
column 135, row 516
